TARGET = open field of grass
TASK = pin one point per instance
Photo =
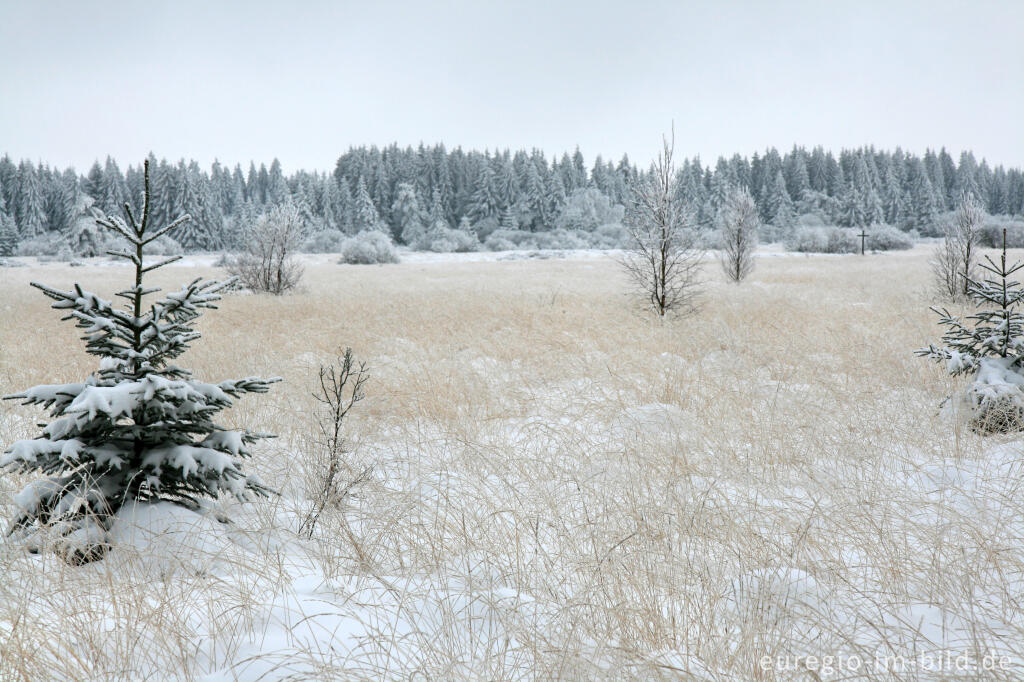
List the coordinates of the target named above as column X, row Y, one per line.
column 562, row 486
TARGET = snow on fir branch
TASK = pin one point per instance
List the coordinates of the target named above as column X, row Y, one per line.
column 140, row 427
column 988, row 344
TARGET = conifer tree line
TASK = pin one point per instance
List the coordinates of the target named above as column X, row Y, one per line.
column 407, row 192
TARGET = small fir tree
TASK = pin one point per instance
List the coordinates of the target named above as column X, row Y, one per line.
column 990, row 346
column 139, row 428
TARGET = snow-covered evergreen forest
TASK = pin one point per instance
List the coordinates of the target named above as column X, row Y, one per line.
column 448, row 200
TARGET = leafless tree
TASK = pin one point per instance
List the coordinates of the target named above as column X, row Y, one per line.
column 268, row 263
column 663, row 256
column 738, row 223
column 340, row 388
column 954, row 259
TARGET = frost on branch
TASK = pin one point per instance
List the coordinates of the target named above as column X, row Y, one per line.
column 989, row 346
column 140, row 427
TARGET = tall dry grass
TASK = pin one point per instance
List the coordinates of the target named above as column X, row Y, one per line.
column 563, row 487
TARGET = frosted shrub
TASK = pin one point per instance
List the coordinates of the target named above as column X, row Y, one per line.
column 989, row 346
column 369, row 248
column 807, row 240
column 446, row 240
column 48, row 246
column 992, row 230
column 587, row 208
column 842, row 240
column 140, row 428
column 508, row 240
column 888, row 238
column 608, row 236
column 823, row 240
column 325, row 241
column 165, row 246
column 499, row 243
column 484, row 228
column 268, row 263
column 561, row 240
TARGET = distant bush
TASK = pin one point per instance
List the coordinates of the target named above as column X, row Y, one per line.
column 497, row 243
column 446, row 240
column 369, row 248
column 268, row 263
column 484, row 228
column 607, row 236
column 164, row 246
column 325, row 241
column 709, row 239
column 48, row 246
column 992, row 232
column 823, row 240
column 815, row 219
column 509, row 240
column 888, row 238
column 831, row 239
column 563, row 240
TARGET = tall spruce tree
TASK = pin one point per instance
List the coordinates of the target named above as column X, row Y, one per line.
column 406, row 214
column 140, row 428
column 8, row 234
column 8, row 230
column 365, row 217
column 29, row 211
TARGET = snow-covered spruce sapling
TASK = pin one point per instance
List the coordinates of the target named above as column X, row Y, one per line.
column 990, row 346
column 139, row 428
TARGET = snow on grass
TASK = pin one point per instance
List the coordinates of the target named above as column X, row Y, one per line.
column 558, row 489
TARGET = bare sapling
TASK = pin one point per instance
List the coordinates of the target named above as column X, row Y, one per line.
column 339, row 389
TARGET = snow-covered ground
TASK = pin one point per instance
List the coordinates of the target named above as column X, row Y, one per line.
column 558, row 489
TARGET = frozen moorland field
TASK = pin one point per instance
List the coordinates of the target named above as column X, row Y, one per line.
column 544, row 482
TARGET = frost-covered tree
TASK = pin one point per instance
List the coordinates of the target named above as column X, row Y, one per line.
column 990, row 347
column 663, row 257
column 277, row 188
column 955, row 258
column 406, row 214
column 86, row 236
column 8, row 229
column 587, row 209
column 436, row 216
column 267, row 263
column 365, row 217
column 8, row 235
column 738, row 223
column 140, row 428
column 921, row 210
column 778, row 205
column 29, row 210
column 485, row 202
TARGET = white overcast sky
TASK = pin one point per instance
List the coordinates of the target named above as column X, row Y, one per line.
column 303, row 81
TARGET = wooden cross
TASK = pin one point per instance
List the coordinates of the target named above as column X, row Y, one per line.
column 863, row 235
